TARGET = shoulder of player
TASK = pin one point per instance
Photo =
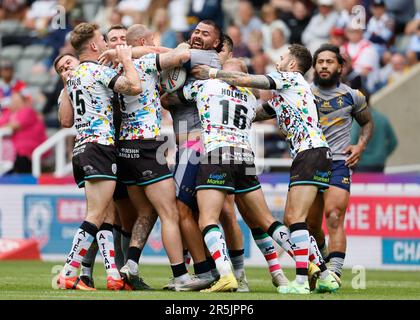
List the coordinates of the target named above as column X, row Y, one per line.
column 355, row 94
column 201, row 52
column 147, row 58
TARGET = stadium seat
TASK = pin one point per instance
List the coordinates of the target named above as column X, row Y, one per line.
column 38, row 100
column 40, row 80
column 9, row 27
column 35, row 52
column 12, row 53
column 24, row 67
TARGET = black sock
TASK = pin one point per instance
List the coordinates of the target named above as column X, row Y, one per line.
column 179, row 269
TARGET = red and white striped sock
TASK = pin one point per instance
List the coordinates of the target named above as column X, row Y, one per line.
column 267, row 248
column 299, row 237
column 216, row 244
column 105, row 239
column 316, row 257
column 81, row 242
column 280, row 233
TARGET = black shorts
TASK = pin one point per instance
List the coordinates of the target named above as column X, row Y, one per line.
column 312, row 167
column 230, row 169
column 94, row 161
column 142, row 162
column 120, row 191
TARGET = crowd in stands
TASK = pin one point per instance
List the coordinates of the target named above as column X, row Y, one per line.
column 379, row 38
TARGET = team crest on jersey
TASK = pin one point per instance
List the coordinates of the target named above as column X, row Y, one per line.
column 345, row 180
column 147, row 173
column 114, row 168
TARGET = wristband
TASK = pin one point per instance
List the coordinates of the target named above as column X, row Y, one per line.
column 213, row 73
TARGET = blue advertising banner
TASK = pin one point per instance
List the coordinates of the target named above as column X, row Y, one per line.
column 53, row 220
column 401, row 251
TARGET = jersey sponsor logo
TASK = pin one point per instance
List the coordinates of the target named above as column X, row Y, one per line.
column 217, row 178
column 79, row 150
column 335, row 121
column 82, row 125
column 129, row 153
column 238, row 156
column 322, row 176
column 295, row 177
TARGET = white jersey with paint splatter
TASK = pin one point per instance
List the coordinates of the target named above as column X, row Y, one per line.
column 90, row 91
column 141, row 114
column 296, row 112
column 226, row 113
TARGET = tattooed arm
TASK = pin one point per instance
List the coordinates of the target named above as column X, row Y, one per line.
column 235, row 78
column 129, row 83
column 174, row 58
column 364, row 119
column 264, row 112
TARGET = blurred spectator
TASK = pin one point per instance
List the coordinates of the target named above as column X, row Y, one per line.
column 240, row 49
column 380, row 28
column 318, row 30
column 271, row 22
column 108, row 15
column 247, row 19
column 256, row 42
column 413, row 50
column 89, row 8
column 297, row 20
column 259, row 63
column 412, row 25
column 337, row 37
column 402, row 10
column 133, row 11
column 164, row 36
column 363, row 55
column 348, row 75
column 259, row 59
column 283, row 5
column 381, row 145
column 279, row 46
column 177, row 10
column 39, row 15
column 392, row 71
column 28, row 131
column 202, row 10
column 12, row 9
column 9, row 84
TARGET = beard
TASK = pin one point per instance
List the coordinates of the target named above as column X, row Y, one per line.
column 333, row 79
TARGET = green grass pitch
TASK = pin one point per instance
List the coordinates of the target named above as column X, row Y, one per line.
column 33, row 281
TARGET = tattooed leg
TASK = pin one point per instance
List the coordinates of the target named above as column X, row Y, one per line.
column 141, row 230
